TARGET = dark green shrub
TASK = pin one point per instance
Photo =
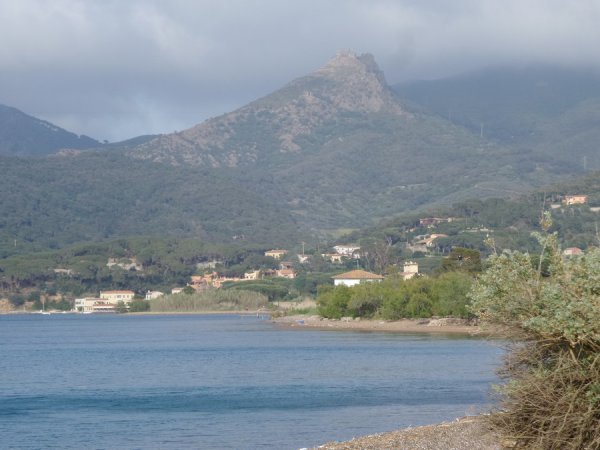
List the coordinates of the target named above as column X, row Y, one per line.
column 552, row 397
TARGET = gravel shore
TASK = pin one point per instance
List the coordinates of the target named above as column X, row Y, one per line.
column 467, row 433
column 433, row 326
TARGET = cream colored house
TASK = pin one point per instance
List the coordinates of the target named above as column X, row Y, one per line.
column 252, row 275
column 91, row 305
column 351, row 251
column 355, row 277
column 277, row 254
column 151, row 295
column 572, row 251
column 285, row 273
column 85, row 304
column 117, row 296
column 332, row 257
column 411, row 269
column 575, row 199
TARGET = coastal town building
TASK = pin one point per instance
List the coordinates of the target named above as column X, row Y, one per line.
column 117, row 296
column 124, row 263
column 575, row 199
column 425, row 242
column 355, row 277
column 303, row 258
column 335, row 258
column 432, row 221
column 411, row 269
column 285, row 273
column 276, row 254
column 253, row 275
column 151, row 295
column 572, row 251
column 349, row 251
column 93, row 305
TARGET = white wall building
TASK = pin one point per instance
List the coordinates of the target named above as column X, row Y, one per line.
column 355, row 277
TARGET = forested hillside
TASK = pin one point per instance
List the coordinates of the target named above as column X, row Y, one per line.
column 52, row 202
column 485, row 224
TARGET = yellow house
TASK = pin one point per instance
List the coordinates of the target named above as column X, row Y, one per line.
column 117, row 296
column 277, row 254
column 252, row 275
column 333, row 257
column 411, row 269
column 575, row 199
column 285, row 273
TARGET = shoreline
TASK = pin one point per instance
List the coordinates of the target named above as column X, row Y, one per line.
column 428, row 326
column 440, row 326
column 147, row 313
column 464, row 433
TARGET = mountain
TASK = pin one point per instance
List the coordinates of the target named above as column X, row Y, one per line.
column 550, row 114
column 24, row 135
column 337, row 149
column 280, row 123
column 344, row 148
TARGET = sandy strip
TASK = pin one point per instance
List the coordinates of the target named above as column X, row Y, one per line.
column 467, row 433
column 433, row 326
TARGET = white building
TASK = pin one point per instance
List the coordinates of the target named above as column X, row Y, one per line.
column 355, row 277
column 411, row 269
column 350, row 251
column 93, row 305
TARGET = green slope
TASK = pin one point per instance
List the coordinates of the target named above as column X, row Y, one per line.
column 51, row 202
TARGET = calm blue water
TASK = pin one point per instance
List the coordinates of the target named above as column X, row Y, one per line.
column 219, row 382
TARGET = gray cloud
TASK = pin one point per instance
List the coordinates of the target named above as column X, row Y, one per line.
column 114, row 69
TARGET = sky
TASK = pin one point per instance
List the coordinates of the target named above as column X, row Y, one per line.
column 115, row 69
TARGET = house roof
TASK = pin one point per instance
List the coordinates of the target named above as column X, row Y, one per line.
column 358, row 275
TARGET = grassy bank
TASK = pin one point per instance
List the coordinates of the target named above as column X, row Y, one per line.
column 210, row 300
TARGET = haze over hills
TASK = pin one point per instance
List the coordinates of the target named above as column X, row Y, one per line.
column 24, row 135
column 552, row 114
column 335, row 149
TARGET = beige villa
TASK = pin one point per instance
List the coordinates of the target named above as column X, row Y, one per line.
column 276, row 254
column 117, row 296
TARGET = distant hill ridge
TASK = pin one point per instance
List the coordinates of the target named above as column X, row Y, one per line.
column 24, row 135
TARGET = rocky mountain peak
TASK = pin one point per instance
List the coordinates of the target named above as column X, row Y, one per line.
column 347, row 64
column 346, row 86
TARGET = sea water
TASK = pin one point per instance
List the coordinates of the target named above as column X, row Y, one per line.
column 224, row 382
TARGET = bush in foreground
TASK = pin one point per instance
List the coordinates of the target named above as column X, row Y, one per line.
column 551, row 399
